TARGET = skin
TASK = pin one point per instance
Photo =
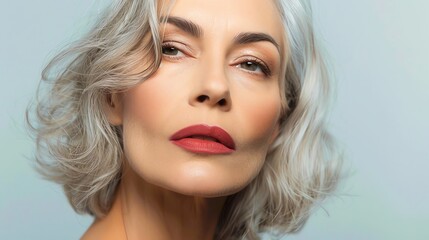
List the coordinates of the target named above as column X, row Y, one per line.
column 167, row 192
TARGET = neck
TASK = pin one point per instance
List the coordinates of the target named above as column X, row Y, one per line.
column 141, row 209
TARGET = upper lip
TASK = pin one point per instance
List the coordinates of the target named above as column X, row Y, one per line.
column 203, row 130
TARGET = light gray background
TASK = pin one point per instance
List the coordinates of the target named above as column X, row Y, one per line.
column 380, row 53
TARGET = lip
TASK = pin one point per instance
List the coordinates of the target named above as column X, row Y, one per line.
column 204, row 139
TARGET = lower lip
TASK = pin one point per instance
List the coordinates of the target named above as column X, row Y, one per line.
column 196, row 145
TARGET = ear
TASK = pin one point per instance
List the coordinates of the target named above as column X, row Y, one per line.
column 113, row 109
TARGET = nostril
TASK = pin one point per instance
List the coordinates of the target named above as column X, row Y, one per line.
column 202, row 98
column 222, row 102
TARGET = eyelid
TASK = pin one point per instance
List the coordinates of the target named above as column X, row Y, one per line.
column 180, row 44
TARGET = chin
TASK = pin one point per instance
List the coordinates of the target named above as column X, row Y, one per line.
column 200, row 180
column 203, row 190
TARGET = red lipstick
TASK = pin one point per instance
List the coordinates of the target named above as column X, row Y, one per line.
column 204, row 139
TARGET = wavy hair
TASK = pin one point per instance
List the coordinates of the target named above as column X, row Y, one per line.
column 79, row 149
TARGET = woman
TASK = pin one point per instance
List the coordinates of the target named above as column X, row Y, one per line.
column 191, row 120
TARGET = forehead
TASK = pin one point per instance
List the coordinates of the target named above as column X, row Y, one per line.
column 234, row 16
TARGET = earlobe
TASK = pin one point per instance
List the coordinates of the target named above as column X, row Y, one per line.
column 113, row 109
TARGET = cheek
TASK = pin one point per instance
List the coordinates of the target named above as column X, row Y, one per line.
column 257, row 123
column 143, row 102
column 259, row 116
column 151, row 106
column 143, row 124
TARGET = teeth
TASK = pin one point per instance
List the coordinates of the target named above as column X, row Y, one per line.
column 207, row 138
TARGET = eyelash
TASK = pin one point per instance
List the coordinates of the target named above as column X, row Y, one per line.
column 259, row 63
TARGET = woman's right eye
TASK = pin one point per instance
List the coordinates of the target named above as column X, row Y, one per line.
column 170, row 50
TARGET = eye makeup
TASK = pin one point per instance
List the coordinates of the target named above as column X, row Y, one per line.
column 252, row 53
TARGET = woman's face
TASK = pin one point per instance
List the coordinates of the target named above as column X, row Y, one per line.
column 203, row 123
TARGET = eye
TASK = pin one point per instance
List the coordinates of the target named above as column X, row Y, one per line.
column 170, row 49
column 251, row 66
column 255, row 66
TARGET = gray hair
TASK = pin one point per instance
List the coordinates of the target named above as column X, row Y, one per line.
column 79, row 149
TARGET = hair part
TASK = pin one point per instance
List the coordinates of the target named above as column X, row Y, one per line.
column 79, row 149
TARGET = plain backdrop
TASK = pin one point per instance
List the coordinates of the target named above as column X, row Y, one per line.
column 379, row 50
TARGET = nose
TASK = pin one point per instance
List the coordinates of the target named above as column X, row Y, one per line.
column 211, row 89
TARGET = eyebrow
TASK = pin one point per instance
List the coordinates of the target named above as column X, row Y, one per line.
column 251, row 37
column 184, row 25
column 197, row 32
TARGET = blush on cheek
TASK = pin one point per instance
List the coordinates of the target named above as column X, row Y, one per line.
column 261, row 119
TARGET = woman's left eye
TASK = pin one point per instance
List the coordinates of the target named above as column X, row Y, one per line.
column 255, row 66
column 251, row 66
